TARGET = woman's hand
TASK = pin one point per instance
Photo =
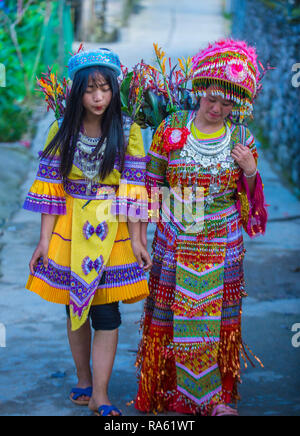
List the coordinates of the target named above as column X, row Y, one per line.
column 142, row 256
column 244, row 157
column 41, row 251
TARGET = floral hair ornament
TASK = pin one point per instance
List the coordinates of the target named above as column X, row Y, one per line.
column 231, row 66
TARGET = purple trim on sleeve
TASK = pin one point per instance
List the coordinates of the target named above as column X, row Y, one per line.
column 49, row 173
column 49, row 169
column 49, row 159
column 45, row 204
column 134, row 171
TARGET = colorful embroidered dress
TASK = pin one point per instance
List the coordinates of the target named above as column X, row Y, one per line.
column 189, row 356
column 88, row 240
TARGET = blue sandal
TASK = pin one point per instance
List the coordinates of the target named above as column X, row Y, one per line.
column 79, row 392
column 106, row 410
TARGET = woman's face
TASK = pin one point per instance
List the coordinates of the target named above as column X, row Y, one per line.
column 214, row 109
column 97, row 96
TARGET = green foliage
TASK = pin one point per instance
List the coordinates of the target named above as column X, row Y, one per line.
column 152, row 110
column 155, row 109
column 29, row 39
column 124, row 92
column 13, row 121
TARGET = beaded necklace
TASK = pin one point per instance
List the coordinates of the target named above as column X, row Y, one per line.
column 214, row 157
column 84, row 159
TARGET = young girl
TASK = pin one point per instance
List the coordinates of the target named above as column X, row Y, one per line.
column 87, row 259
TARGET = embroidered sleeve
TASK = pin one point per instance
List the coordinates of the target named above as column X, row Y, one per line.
column 47, row 194
column 131, row 199
column 158, row 159
column 252, row 208
column 157, row 163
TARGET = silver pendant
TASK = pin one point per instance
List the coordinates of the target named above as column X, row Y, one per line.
column 209, row 199
column 214, row 188
column 214, row 171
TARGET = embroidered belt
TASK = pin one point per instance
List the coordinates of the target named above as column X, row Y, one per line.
column 78, row 189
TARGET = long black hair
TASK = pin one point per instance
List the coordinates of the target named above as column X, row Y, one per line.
column 111, row 124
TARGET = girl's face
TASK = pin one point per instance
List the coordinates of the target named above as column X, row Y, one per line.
column 214, row 109
column 97, row 96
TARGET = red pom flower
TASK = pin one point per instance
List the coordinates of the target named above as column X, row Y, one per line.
column 175, row 138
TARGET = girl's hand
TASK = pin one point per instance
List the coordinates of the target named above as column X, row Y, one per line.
column 144, row 227
column 244, row 157
column 142, row 256
column 41, row 251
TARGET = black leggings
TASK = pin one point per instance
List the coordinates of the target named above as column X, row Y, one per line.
column 104, row 316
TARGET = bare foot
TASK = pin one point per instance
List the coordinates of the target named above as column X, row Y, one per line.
column 224, row 410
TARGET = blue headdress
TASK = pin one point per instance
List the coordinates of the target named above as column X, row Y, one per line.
column 101, row 57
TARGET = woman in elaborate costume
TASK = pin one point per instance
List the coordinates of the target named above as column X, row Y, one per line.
column 189, row 356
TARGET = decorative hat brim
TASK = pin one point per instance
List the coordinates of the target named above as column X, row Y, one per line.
column 230, row 87
column 239, row 95
column 115, row 69
column 99, row 58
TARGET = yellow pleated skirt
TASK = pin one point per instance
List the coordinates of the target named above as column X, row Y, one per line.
column 123, row 280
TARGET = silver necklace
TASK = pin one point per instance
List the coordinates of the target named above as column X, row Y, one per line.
column 216, row 157
column 206, row 154
column 89, row 165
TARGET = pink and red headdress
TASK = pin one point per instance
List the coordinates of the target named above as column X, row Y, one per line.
column 231, row 67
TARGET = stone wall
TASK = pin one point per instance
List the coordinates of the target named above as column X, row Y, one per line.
column 275, row 32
